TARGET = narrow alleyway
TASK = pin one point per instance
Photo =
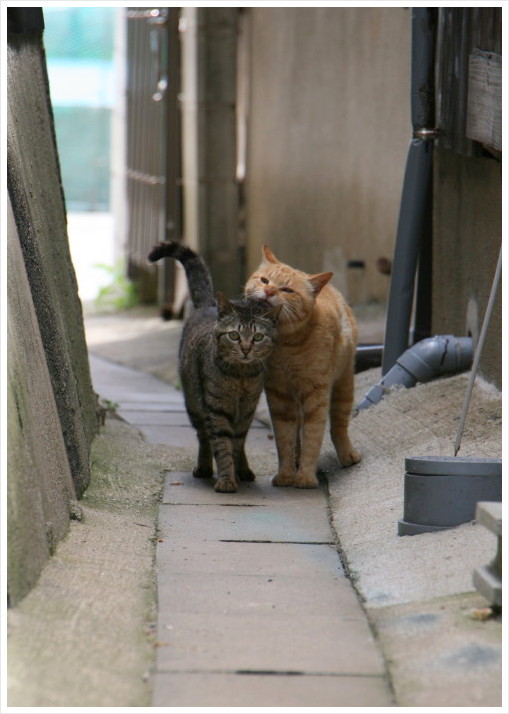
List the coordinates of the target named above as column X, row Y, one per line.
column 250, row 585
column 254, row 607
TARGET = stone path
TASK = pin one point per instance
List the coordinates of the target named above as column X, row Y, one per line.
column 254, row 606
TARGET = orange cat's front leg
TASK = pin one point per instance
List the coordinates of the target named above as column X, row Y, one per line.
column 284, row 417
column 314, row 416
column 299, row 435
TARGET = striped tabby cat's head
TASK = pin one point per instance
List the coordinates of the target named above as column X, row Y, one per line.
column 245, row 331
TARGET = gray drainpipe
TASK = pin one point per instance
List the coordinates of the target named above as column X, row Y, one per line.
column 416, row 194
column 426, row 360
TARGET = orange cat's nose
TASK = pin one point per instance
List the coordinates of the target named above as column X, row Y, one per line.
column 269, row 291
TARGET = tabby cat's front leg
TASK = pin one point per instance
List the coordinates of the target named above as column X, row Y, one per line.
column 221, row 443
column 204, row 466
column 242, row 469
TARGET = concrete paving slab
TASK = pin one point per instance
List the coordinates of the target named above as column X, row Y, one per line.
column 129, row 386
column 271, row 596
column 173, row 429
column 289, row 560
column 181, row 436
column 154, row 418
column 173, row 404
column 281, row 523
column 315, row 644
column 203, row 689
column 181, row 487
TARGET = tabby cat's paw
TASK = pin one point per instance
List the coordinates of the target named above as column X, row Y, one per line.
column 246, row 475
column 226, row 485
column 349, row 457
column 203, row 472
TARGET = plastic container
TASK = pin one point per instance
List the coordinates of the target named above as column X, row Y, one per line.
column 442, row 492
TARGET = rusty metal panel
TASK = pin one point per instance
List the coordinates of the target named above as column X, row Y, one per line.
column 153, row 154
column 146, row 132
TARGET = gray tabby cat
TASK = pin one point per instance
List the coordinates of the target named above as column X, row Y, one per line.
column 222, row 356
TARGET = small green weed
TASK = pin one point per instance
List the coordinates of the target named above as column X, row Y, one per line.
column 121, row 293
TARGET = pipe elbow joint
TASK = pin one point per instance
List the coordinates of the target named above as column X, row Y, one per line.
column 434, row 356
column 426, row 360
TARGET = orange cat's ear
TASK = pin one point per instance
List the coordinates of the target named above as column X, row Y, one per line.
column 318, row 281
column 269, row 255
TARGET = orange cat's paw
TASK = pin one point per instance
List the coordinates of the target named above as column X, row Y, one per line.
column 349, row 457
column 283, row 479
column 297, row 480
column 305, row 481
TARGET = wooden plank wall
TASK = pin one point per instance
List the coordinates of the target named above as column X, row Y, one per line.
column 462, row 32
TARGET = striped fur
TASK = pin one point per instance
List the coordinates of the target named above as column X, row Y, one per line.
column 222, row 362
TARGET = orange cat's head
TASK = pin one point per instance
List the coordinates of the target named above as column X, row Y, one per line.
column 283, row 286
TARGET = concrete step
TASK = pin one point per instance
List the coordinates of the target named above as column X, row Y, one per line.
column 487, row 579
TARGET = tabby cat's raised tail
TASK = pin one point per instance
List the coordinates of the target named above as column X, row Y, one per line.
column 198, row 275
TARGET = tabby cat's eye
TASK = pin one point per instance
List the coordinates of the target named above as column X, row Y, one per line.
column 286, row 290
column 258, row 336
column 264, row 281
column 234, row 336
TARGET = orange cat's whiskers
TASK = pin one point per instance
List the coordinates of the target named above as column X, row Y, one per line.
column 290, row 314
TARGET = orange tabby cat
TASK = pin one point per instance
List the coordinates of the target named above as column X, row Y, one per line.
column 310, row 372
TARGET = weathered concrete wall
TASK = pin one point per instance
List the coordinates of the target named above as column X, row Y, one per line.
column 467, row 235
column 52, row 418
column 208, row 100
column 40, row 486
column 329, row 127
column 37, row 201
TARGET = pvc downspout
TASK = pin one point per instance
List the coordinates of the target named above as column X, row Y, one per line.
column 416, row 194
column 426, row 360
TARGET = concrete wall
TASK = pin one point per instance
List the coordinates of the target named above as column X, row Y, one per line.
column 329, row 128
column 467, row 235
column 210, row 192
column 40, row 485
column 52, row 417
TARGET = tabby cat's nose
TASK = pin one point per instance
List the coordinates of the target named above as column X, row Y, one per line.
column 269, row 291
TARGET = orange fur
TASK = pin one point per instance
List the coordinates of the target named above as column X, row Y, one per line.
column 310, row 372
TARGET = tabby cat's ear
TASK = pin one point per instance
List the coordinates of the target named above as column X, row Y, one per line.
column 223, row 304
column 269, row 255
column 319, row 280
